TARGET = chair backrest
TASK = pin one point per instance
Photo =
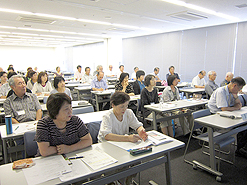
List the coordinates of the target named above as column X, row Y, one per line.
column 30, row 145
column 198, row 114
column 81, row 110
column 94, row 130
column 243, row 99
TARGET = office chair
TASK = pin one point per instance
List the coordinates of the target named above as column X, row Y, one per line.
column 30, row 145
column 81, row 110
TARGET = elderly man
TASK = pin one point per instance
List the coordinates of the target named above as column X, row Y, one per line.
column 110, row 73
column 229, row 77
column 198, row 81
column 78, row 74
column 211, row 86
column 87, row 77
column 98, row 69
column 21, row 105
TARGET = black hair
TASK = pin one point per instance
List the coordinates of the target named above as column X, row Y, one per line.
column 10, row 74
column 170, row 79
column 121, row 66
column 30, row 73
column 147, row 79
column 171, row 67
column 40, row 75
column 139, row 73
column 135, row 68
column 119, row 98
column 201, row 72
column 87, row 68
column 78, row 66
column 58, row 79
column 238, row 80
column 122, row 76
column 55, row 102
column 2, row 73
column 156, row 69
column 9, row 68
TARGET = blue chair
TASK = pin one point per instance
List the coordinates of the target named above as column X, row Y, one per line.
column 81, row 110
column 30, row 145
column 94, row 130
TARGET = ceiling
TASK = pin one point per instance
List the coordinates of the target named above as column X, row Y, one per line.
column 54, row 23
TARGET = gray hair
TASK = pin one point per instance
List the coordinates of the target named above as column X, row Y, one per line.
column 12, row 79
column 229, row 74
column 210, row 73
column 98, row 67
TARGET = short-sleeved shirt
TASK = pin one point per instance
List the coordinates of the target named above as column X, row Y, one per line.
column 22, row 109
column 129, row 88
column 224, row 83
column 38, row 88
column 197, row 81
column 168, row 95
column 99, row 84
column 210, row 87
column 221, row 98
column 67, row 91
column 47, row 131
column 168, row 74
column 147, row 98
column 87, row 78
column 4, row 89
column 78, row 75
column 110, row 124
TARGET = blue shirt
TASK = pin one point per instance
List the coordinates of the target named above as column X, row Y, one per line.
column 142, row 86
column 99, row 84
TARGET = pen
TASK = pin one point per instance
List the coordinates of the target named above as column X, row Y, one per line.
column 79, row 157
column 16, row 128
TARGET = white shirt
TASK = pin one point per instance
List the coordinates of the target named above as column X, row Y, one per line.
column 37, row 87
column 110, row 124
column 78, row 75
column 133, row 75
column 87, row 78
column 197, row 81
column 110, row 73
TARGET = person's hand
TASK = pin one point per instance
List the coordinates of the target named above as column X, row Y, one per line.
column 101, row 89
column 62, row 149
column 238, row 106
column 134, row 138
column 143, row 134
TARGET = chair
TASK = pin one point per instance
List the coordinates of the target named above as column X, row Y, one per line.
column 30, row 145
column 204, row 138
column 94, row 130
column 243, row 99
column 81, row 110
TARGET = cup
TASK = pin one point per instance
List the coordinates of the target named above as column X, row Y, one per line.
column 8, row 122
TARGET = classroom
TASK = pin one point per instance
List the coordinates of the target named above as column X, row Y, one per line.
column 90, row 50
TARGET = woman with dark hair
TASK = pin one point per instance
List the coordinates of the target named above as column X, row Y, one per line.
column 58, row 72
column 42, row 85
column 3, row 77
column 60, row 132
column 59, row 84
column 171, row 93
column 124, row 85
column 33, row 79
column 138, row 85
column 116, row 122
column 149, row 95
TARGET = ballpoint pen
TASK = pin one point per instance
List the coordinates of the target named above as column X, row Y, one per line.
column 16, row 128
column 79, row 157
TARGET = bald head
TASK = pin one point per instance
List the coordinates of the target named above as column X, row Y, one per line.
column 229, row 76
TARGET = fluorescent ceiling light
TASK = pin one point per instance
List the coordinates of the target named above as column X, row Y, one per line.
column 202, row 9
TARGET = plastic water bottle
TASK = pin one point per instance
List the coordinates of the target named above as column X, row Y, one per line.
column 161, row 102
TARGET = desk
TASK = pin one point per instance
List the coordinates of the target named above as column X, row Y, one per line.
column 24, row 127
column 97, row 95
column 156, row 108
column 191, row 91
column 92, row 117
column 159, row 155
column 233, row 126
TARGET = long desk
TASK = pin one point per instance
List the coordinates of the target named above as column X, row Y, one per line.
column 157, row 108
column 189, row 91
column 232, row 126
column 159, row 155
column 97, row 95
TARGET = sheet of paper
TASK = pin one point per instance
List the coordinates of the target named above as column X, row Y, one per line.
column 79, row 168
column 236, row 113
column 45, row 169
column 97, row 158
column 130, row 146
column 158, row 138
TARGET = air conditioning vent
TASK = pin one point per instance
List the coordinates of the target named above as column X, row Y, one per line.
column 241, row 6
column 35, row 20
column 188, row 16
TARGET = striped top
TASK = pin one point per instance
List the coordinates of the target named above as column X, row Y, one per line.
column 48, row 132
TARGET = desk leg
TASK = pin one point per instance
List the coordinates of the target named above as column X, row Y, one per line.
column 168, row 170
column 187, row 95
column 97, row 102
column 5, row 153
column 211, row 149
column 154, row 120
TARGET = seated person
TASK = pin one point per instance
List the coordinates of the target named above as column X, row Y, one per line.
column 87, row 77
column 78, row 74
column 133, row 75
column 42, row 85
column 211, row 86
column 59, row 84
column 33, row 79
column 5, row 88
column 3, row 77
column 58, row 72
column 138, row 85
column 124, row 85
column 198, row 81
column 61, row 132
column 149, row 95
column 171, row 72
column 228, row 78
column 116, row 122
column 171, row 93
column 21, row 105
